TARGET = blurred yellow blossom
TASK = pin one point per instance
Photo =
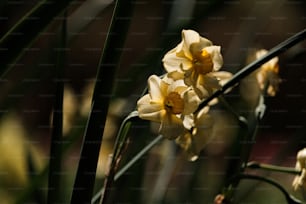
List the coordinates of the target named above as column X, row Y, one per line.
column 15, row 148
column 69, row 109
column 197, row 61
column 267, row 75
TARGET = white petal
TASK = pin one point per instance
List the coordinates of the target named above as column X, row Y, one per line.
column 222, row 76
column 204, row 42
column 188, row 37
column 172, row 62
column 155, row 89
column 148, row 110
column 188, row 121
column 191, row 102
column 215, row 53
column 301, row 158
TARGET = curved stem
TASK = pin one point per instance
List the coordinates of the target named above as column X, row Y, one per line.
column 290, row 199
column 269, row 167
column 137, row 157
column 121, row 136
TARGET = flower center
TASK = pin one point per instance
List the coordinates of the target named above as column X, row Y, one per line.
column 174, row 103
column 202, row 62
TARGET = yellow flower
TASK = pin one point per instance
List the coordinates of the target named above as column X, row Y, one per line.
column 196, row 60
column 195, row 139
column 299, row 182
column 267, row 75
column 167, row 102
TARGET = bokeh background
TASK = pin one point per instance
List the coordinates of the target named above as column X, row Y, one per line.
column 163, row 175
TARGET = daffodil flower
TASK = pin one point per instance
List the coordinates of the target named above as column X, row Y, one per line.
column 267, row 75
column 167, row 102
column 299, row 182
column 195, row 139
column 197, row 61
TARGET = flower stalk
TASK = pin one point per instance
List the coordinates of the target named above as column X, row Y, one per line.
column 269, row 167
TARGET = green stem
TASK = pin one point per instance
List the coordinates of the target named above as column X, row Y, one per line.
column 86, row 172
column 121, row 140
column 269, row 167
column 137, row 157
column 122, row 135
column 290, row 199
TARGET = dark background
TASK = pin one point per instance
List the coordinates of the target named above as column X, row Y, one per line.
column 28, row 89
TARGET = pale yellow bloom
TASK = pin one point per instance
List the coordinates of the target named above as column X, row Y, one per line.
column 197, row 61
column 167, row 102
column 299, row 182
column 15, row 150
column 195, row 139
column 267, row 75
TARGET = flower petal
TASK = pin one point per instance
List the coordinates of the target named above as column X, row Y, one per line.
column 172, row 62
column 188, row 37
column 148, row 110
column 171, row 127
column 188, row 121
column 191, row 101
column 215, row 53
column 175, row 75
column 155, row 91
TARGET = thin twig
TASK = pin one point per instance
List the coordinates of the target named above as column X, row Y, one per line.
column 289, row 198
column 269, row 167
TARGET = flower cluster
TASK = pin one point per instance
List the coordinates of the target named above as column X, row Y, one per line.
column 192, row 75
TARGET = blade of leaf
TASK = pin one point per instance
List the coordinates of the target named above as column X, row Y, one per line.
column 86, row 172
